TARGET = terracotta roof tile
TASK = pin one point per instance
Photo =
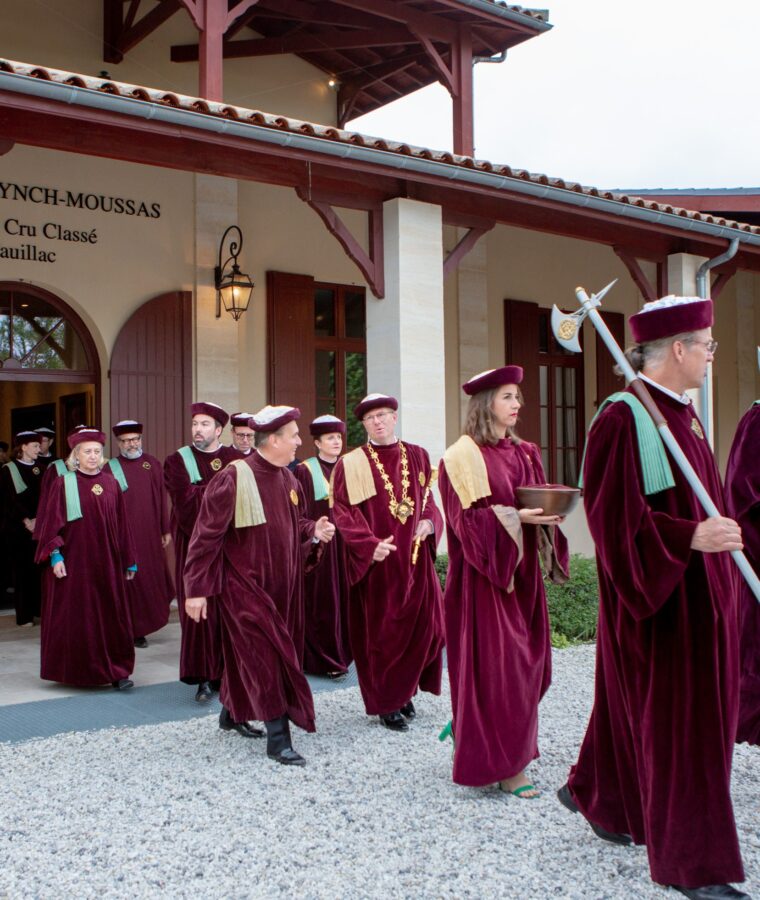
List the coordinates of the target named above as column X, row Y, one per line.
column 331, row 133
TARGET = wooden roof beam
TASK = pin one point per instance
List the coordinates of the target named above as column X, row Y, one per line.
column 121, row 34
column 435, row 27
column 313, row 42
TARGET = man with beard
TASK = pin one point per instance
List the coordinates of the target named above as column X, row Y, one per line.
column 245, row 565
column 382, row 507
column 242, row 433
column 140, row 478
column 187, row 473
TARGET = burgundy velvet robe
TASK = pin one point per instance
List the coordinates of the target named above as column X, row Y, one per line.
column 395, row 614
column 19, row 544
column 150, row 595
column 253, row 580
column 86, row 623
column 326, row 644
column 656, row 758
column 201, row 650
column 498, row 642
column 743, row 498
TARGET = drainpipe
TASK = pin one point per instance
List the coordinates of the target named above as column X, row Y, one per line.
column 499, row 58
column 703, row 291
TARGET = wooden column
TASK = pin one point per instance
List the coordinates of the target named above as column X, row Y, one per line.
column 462, row 94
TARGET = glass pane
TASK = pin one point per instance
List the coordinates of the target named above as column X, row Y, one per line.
column 324, row 312
column 355, row 315
column 559, row 394
column 545, row 461
column 571, row 468
column 356, row 388
column 544, row 386
column 560, row 475
column 559, row 435
column 544, row 426
column 570, row 376
column 571, row 438
column 324, row 366
column 37, row 336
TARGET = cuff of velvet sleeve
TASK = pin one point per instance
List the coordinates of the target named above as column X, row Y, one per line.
column 56, row 557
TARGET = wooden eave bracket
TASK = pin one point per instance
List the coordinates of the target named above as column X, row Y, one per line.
column 721, row 280
column 645, row 286
column 463, row 247
column 371, row 264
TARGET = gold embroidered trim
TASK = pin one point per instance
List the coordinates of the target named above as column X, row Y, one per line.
column 360, row 485
column 249, row 510
column 400, row 509
column 466, row 470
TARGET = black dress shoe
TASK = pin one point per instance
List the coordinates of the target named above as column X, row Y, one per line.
column 279, row 744
column 614, row 837
column 141, row 642
column 395, row 721
column 712, row 892
column 244, row 729
column 204, row 692
column 288, row 757
column 408, row 711
column 123, row 684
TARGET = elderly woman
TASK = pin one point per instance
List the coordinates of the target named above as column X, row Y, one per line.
column 497, row 625
column 20, row 483
column 83, row 535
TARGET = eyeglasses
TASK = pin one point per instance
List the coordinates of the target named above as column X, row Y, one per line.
column 376, row 417
column 134, row 440
column 244, row 437
column 710, row 346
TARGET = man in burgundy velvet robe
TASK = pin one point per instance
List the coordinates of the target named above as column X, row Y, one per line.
column 743, row 497
column 242, row 434
column 84, row 538
column 187, row 473
column 246, row 561
column 655, row 764
column 381, row 506
column 147, row 508
column 326, row 644
column 20, row 482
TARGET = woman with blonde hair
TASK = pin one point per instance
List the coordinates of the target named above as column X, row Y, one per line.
column 83, row 535
column 497, row 625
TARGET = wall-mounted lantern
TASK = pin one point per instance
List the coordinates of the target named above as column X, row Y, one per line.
column 233, row 287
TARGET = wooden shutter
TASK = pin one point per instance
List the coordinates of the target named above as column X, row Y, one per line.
column 290, row 327
column 606, row 381
column 151, row 371
column 521, row 349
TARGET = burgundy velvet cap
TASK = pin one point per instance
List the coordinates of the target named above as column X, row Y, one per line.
column 670, row 315
column 26, row 437
column 127, row 426
column 374, row 401
column 83, row 435
column 493, row 378
column 327, row 425
column 270, row 418
column 240, row 420
column 210, row 409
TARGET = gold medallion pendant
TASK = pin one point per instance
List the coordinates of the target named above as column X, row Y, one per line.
column 146, row 465
column 400, row 509
column 294, row 498
column 216, row 464
column 97, row 489
column 35, row 470
column 697, row 429
column 422, row 479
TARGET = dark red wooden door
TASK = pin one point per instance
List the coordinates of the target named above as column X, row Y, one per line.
column 151, row 371
column 607, row 382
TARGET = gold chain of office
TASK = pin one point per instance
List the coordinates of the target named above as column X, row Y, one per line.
column 403, row 508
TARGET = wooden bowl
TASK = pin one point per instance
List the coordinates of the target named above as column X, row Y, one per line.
column 554, row 499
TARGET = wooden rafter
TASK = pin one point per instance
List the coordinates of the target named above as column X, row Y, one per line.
column 445, row 75
column 463, row 247
column 122, row 33
column 371, row 264
column 435, row 27
column 721, row 281
column 644, row 285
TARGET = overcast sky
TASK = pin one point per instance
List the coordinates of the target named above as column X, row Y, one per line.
column 620, row 93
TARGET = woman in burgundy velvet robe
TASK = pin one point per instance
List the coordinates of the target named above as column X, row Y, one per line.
column 86, row 623
column 655, row 764
column 743, row 498
column 19, row 499
column 326, row 644
column 497, row 625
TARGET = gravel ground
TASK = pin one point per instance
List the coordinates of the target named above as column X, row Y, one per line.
column 184, row 810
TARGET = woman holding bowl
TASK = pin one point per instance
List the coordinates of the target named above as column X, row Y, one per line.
column 497, row 624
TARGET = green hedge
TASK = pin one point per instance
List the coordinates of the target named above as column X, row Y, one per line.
column 573, row 607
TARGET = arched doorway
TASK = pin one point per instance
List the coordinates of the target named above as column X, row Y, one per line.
column 49, row 367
